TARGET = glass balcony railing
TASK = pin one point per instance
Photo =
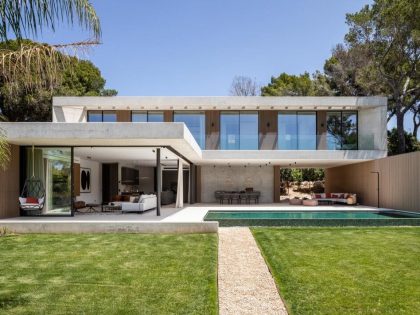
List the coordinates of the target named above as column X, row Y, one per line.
column 307, row 142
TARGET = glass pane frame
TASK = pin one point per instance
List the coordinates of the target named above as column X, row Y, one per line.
column 197, row 127
column 56, row 180
column 235, row 130
column 339, row 136
column 155, row 116
column 291, row 132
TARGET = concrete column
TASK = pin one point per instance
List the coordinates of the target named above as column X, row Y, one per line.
column 158, row 181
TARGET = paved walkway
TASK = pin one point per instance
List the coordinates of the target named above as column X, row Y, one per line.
column 245, row 283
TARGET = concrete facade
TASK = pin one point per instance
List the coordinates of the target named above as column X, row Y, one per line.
column 236, row 178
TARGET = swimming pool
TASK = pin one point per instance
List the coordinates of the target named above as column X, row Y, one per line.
column 313, row 218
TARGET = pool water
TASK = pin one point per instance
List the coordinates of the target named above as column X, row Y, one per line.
column 318, row 218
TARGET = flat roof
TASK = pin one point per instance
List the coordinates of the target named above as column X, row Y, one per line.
column 220, row 102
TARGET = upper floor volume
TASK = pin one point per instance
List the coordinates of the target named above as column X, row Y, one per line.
column 246, row 123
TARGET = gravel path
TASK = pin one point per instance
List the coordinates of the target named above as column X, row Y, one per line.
column 245, row 283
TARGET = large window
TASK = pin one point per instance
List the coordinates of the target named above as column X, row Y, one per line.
column 297, row 130
column 196, row 123
column 137, row 116
column 155, row 116
column 239, row 131
column 146, row 116
column 53, row 167
column 101, row 116
column 342, row 130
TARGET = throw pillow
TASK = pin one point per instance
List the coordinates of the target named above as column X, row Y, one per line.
column 328, row 195
column 136, row 200
column 318, row 196
column 31, row 200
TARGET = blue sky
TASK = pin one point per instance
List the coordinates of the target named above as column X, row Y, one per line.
column 196, row 47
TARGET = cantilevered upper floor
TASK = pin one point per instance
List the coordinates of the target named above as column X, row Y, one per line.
column 301, row 131
column 246, row 123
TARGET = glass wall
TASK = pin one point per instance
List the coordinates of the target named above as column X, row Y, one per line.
column 53, row 167
column 349, row 130
column 229, row 131
column 297, row 130
column 342, row 130
column 155, row 116
column 196, row 123
column 101, row 116
column 139, row 116
column 248, row 130
column 239, row 130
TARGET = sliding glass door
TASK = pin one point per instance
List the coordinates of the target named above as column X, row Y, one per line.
column 53, row 167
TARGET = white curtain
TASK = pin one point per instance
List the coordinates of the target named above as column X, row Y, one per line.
column 180, row 187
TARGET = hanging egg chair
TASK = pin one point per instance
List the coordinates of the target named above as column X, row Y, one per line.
column 32, row 197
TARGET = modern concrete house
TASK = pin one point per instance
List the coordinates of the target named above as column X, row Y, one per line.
column 99, row 147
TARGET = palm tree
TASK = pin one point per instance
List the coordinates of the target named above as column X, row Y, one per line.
column 39, row 64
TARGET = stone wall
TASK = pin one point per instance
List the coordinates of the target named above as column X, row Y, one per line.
column 236, row 178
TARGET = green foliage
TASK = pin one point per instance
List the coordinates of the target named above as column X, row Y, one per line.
column 297, row 85
column 302, row 174
column 108, row 274
column 4, row 151
column 380, row 57
column 411, row 143
column 79, row 78
column 344, row 270
column 32, row 17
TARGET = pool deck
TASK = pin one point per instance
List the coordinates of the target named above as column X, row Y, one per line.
column 172, row 220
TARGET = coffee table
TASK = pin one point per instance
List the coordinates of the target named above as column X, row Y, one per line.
column 106, row 208
column 91, row 207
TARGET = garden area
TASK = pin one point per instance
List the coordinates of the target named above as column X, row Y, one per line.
column 344, row 270
column 108, row 274
column 301, row 182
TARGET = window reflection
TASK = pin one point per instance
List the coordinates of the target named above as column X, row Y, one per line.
column 195, row 122
column 139, row 116
column 342, row 130
column 297, row 131
column 229, row 131
column 101, row 116
column 155, row 116
column 239, row 130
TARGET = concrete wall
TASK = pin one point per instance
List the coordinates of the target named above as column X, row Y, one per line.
column 236, row 178
column 95, row 195
column 9, row 186
column 399, row 185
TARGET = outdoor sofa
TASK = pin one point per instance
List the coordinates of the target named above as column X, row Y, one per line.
column 346, row 198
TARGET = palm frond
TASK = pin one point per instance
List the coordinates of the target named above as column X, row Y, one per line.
column 28, row 18
column 36, row 65
column 4, row 148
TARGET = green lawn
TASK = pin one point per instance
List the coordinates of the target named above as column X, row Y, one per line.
column 345, row 270
column 108, row 274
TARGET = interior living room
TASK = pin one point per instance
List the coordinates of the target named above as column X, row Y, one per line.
column 99, row 179
column 108, row 178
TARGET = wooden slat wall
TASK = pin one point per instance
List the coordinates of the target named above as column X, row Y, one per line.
column 168, row 116
column 123, row 115
column 76, row 178
column 267, row 129
column 9, row 186
column 212, row 129
column 399, row 181
column 277, row 180
column 321, row 121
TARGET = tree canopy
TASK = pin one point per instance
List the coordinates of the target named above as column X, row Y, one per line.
column 297, row 85
column 22, row 103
